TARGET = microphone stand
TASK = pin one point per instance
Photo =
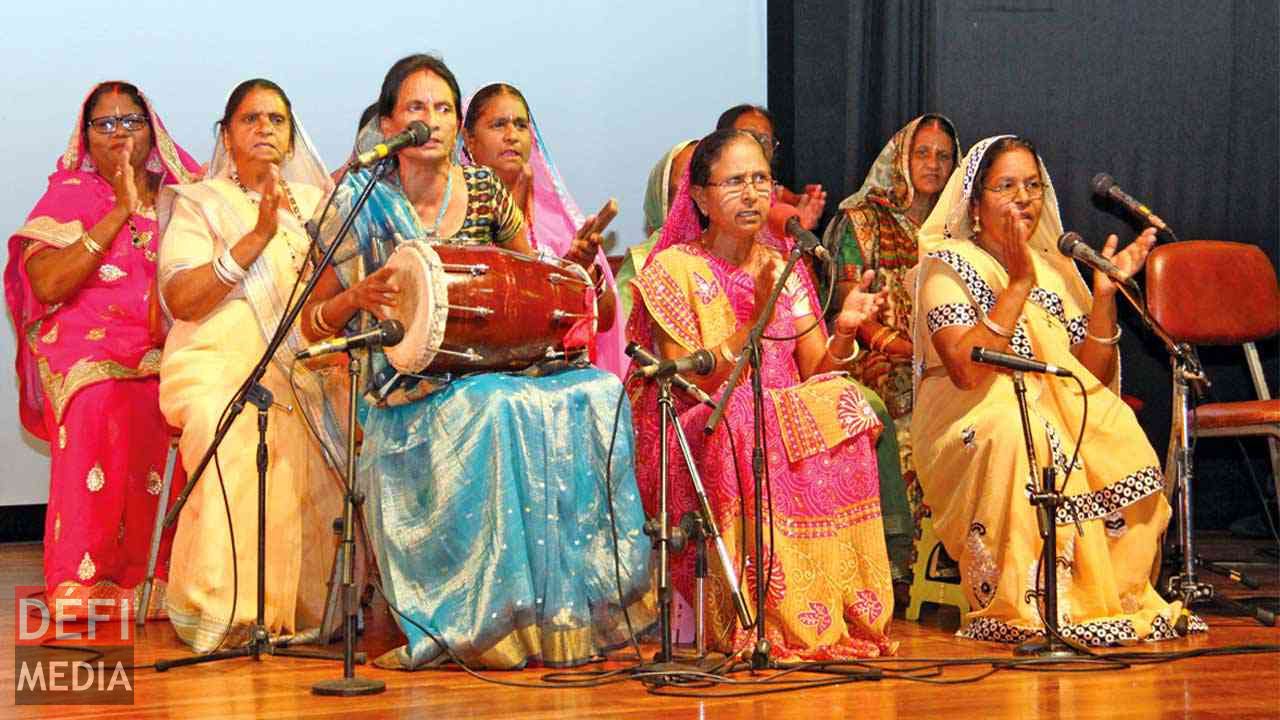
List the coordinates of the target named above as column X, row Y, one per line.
column 252, row 391
column 751, row 354
column 1189, row 378
column 1046, row 501
column 705, row 528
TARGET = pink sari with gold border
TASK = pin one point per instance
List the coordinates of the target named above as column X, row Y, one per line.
column 87, row 375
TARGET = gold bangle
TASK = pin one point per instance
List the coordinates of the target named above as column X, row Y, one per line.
column 317, row 320
column 852, row 354
column 996, row 328
column 1114, row 339
column 92, row 245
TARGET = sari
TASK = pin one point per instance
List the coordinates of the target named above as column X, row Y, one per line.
column 972, row 462
column 656, row 207
column 87, row 378
column 553, row 218
column 204, row 363
column 828, row 594
column 873, row 232
column 489, row 504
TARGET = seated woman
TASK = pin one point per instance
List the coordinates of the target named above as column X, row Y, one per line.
column 876, row 230
column 499, row 133
column 828, row 593
column 659, row 192
column 78, row 284
column 488, row 506
column 757, row 120
column 990, row 276
column 233, row 248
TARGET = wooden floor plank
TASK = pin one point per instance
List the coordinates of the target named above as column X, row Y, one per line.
column 1242, row 686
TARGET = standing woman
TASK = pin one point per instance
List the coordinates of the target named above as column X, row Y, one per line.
column 78, row 284
column 876, row 230
column 488, row 504
column 499, row 133
column 233, row 247
column 828, row 593
column 991, row 277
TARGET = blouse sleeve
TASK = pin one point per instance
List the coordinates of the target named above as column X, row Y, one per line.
column 507, row 217
column 943, row 300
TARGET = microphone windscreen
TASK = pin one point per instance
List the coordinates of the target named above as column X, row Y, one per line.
column 392, row 332
column 421, row 133
column 1068, row 241
column 779, row 214
column 1101, row 184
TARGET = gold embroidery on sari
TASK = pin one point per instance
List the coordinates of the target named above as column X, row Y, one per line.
column 86, row 372
column 50, row 337
column 62, row 437
column 96, row 479
column 71, row 181
column 87, row 569
column 51, row 232
column 95, row 334
column 57, row 527
column 153, row 482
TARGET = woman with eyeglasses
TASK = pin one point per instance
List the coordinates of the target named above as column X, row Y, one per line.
column 78, row 283
column 757, row 120
column 990, row 277
column 233, row 250
column 828, row 593
column 876, row 230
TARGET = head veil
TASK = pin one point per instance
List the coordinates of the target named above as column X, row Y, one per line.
column 950, row 223
column 61, row 216
column 658, row 189
column 555, row 222
column 888, row 183
column 682, row 226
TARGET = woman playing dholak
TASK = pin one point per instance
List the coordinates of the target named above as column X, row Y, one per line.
column 489, row 501
column 78, row 283
column 990, row 277
column 876, row 230
column 499, row 133
column 233, row 247
column 828, row 592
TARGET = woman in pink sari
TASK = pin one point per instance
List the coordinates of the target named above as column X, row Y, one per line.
column 499, row 132
column 829, row 594
column 78, row 282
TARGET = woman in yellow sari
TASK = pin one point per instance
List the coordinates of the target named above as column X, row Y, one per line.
column 989, row 276
column 232, row 250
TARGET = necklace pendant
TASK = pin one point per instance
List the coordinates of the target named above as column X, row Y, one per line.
column 142, row 239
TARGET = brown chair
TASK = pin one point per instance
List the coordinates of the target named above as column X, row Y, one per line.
column 1209, row 292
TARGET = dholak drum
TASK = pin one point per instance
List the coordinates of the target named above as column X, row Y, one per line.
column 476, row 307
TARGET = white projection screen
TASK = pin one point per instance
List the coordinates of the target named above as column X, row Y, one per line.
column 611, row 85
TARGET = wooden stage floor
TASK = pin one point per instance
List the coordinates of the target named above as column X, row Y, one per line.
column 1234, row 686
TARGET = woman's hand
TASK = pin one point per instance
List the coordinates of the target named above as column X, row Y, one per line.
column 586, row 244
column 811, row 205
column 859, row 306
column 520, row 188
column 1128, row 261
column 1014, row 247
column 376, row 293
column 266, row 225
column 122, row 180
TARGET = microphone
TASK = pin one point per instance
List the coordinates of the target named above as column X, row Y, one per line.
column 1072, row 245
column 651, row 364
column 784, row 220
column 387, row 332
column 416, row 134
column 1013, row 362
column 1105, row 186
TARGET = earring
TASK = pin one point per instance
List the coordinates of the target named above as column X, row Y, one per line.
column 977, row 225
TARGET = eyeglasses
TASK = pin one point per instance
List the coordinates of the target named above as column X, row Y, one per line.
column 1009, row 189
column 761, row 182
column 107, row 125
column 766, row 141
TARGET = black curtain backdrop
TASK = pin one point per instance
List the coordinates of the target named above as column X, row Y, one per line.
column 1178, row 100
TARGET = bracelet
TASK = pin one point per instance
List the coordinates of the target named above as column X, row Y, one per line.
column 994, row 327
column 93, row 246
column 1114, row 339
column 227, row 269
column 317, row 321
column 599, row 282
column 852, row 354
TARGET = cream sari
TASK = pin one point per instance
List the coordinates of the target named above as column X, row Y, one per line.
column 203, row 365
column 971, row 459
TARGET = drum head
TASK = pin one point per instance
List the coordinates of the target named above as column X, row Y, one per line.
column 423, row 306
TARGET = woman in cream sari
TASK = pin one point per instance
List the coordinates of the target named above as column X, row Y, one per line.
column 233, row 247
column 989, row 276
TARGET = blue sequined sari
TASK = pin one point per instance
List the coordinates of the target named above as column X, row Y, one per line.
column 486, row 498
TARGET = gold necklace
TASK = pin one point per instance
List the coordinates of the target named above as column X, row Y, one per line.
column 294, row 260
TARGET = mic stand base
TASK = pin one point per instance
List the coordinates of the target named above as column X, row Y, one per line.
column 1047, row 647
